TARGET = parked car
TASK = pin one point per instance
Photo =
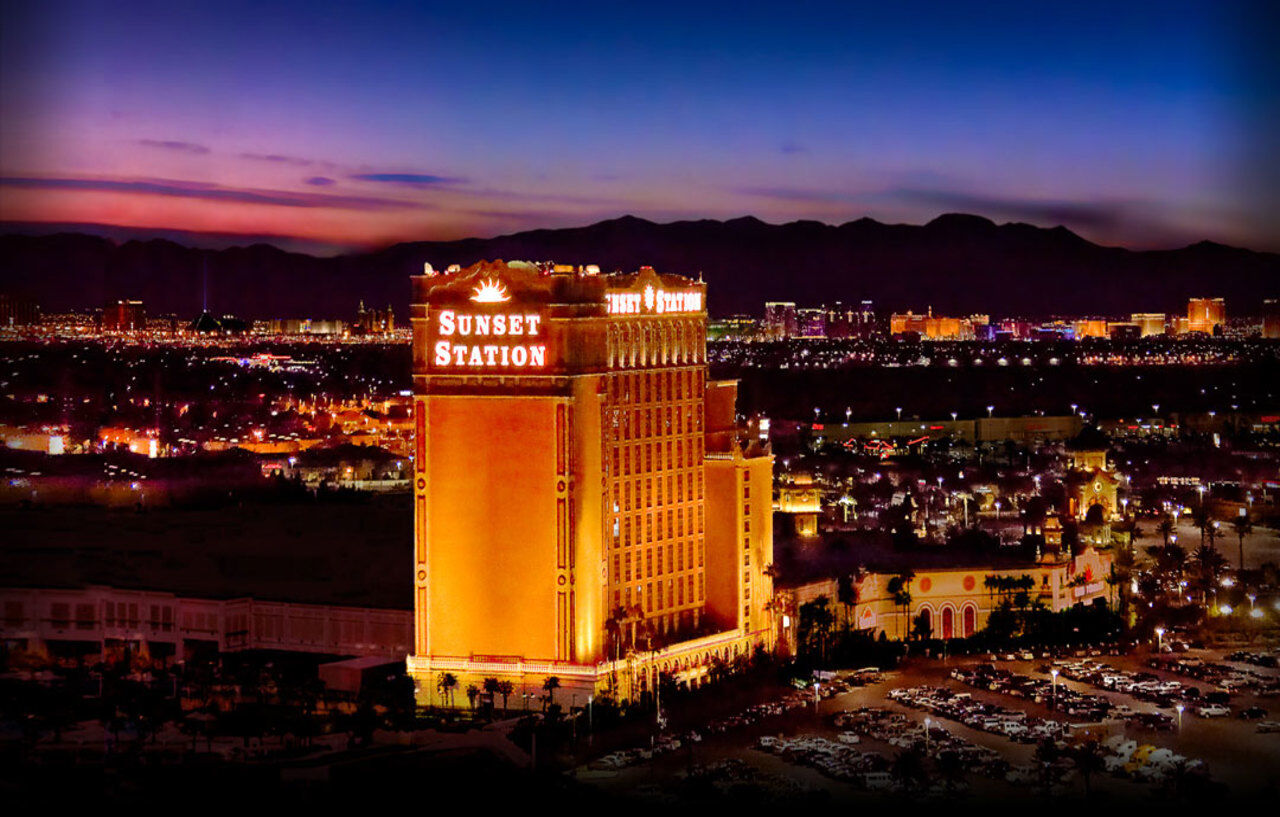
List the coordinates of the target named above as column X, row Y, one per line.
column 1213, row 711
column 1253, row 713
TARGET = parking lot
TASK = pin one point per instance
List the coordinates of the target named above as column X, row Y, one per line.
column 990, row 713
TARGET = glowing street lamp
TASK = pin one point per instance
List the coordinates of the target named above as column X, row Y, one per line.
column 990, row 409
column 1054, row 673
column 1179, row 707
column 927, row 723
column 899, row 410
column 1252, row 598
column 1159, row 639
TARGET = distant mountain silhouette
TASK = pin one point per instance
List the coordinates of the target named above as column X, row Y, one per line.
column 957, row 263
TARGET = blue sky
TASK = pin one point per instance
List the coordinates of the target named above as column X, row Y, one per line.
column 365, row 123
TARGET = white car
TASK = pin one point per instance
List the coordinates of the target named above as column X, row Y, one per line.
column 1213, row 711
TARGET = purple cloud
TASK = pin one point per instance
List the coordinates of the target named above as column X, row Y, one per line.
column 173, row 144
column 278, row 158
column 211, row 192
column 320, row 181
column 410, row 179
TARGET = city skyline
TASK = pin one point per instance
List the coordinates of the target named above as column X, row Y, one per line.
column 357, row 127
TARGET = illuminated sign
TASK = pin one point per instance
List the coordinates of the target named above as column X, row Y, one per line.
column 508, row 332
column 653, row 300
column 490, row 291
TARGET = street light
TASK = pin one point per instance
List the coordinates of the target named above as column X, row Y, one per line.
column 1054, row 673
column 1159, row 639
column 927, row 723
column 1179, row 707
column 899, row 410
column 1252, row 598
column 990, row 409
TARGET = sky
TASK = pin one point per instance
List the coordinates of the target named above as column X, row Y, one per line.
column 356, row 125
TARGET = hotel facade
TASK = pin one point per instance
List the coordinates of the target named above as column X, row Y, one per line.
column 586, row 506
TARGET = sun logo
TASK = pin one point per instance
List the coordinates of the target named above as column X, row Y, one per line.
column 490, row 292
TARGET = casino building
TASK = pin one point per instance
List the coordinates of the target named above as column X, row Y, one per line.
column 586, row 505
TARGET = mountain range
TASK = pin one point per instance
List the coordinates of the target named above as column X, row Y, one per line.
column 956, row 264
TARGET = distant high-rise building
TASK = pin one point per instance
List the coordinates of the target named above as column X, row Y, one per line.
column 124, row 316
column 17, row 311
column 841, row 320
column 780, row 320
column 811, row 323
column 1149, row 323
column 375, row 321
column 1205, row 314
column 933, row 327
column 1271, row 318
column 1090, row 328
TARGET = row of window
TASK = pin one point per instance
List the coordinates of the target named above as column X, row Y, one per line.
column 678, row 524
column 677, row 594
column 643, row 457
column 680, row 487
column 637, row 423
column 85, row 615
column 656, row 386
column 678, row 556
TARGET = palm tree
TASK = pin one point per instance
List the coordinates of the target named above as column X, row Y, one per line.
column 847, row 595
column 473, row 692
column 505, row 688
column 1167, row 528
column 1209, row 564
column 550, row 685
column 491, row 689
column 446, row 684
column 1202, row 519
column 899, row 589
column 1243, row 527
column 1088, row 758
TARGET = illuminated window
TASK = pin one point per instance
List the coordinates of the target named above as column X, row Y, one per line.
column 628, row 564
column 648, row 564
column 659, row 567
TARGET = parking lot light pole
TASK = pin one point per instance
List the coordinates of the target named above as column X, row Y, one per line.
column 1054, row 673
column 1179, row 707
column 927, row 723
column 1159, row 639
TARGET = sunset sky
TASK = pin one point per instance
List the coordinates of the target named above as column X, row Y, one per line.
column 360, row 124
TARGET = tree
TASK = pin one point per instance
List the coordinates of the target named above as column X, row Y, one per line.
column 1243, row 526
column 447, row 683
column 551, row 684
column 1088, row 758
column 505, row 689
column 816, row 620
column 847, row 595
column 922, row 626
column 473, row 692
column 1166, row 528
column 491, row 689
column 1209, row 564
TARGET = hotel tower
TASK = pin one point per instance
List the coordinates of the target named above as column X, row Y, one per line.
column 586, row 505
